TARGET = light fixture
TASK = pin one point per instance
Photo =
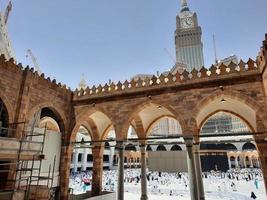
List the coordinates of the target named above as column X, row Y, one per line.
column 223, row 100
column 159, row 107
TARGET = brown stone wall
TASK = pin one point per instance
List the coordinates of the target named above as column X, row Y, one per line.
column 24, row 92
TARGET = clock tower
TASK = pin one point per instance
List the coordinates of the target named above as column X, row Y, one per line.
column 189, row 48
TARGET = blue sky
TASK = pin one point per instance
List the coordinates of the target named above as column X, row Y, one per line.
column 116, row 39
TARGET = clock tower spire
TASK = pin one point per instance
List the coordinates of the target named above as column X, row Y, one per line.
column 189, row 47
column 184, row 3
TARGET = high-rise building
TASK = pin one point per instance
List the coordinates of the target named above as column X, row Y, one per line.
column 5, row 44
column 189, row 48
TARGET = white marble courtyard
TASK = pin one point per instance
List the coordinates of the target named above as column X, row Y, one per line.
column 174, row 186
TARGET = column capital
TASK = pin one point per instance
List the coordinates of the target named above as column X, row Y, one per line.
column 189, row 141
column 142, row 148
column 142, row 145
column 120, row 144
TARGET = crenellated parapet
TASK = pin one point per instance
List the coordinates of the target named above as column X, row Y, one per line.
column 203, row 75
column 11, row 66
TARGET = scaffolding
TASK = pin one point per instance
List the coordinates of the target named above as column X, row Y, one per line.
column 24, row 170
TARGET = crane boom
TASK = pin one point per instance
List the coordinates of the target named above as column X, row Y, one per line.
column 8, row 9
column 34, row 61
column 169, row 54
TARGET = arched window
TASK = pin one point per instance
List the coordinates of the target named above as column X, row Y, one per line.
column 161, row 148
column 148, row 148
column 105, row 158
column 248, row 147
column 89, row 158
column 130, row 147
column 176, row 148
column 107, row 146
column 230, row 147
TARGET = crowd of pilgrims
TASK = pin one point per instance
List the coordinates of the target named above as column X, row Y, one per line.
column 163, row 182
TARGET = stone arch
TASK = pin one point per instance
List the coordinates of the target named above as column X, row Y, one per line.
column 107, row 145
column 88, row 130
column 228, row 112
column 249, row 146
column 152, row 103
column 4, row 118
column 148, row 148
column 161, row 147
column 130, row 147
column 245, row 102
column 176, row 147
column 61, row 117
column 92, row 117
column 8, row 106
column 157, row 120
column 230, row 147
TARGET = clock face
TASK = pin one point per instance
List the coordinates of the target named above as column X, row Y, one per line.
column 187, row 23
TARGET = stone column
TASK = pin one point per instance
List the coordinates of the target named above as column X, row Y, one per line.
column 236, row 163
column 258, row 163
column 261, row 141
column 84, row 160
column 111, row 155
column 201, row 192
column 75, row 160
column 229, row 162
column 64, row 171
column 143, row 173
column 245, row 162
column 191, row 168
column 120, row 189
column 97, row 152
column 250, row 162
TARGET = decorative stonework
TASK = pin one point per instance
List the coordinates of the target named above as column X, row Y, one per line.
column 170, row 79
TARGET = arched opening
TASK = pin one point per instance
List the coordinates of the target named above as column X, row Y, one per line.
column 164, row 126
column 249, row 147
column 159, row 121
column 4, row 119
column 130, row 147
column 148, row 148
column 176, row 147
column 161, row 148
column 82, row 153
column 45, row 128
column 229, row 121
column 100, row 155
column 230, row 147
column 233, row 163
column 216, row 149
column 107, row 145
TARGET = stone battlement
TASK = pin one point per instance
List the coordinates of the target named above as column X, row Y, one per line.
column 11, row 65
column 203, row 75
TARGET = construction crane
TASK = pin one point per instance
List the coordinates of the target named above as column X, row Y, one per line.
column 8, row 9
column 34, row 61
column 169, row 54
